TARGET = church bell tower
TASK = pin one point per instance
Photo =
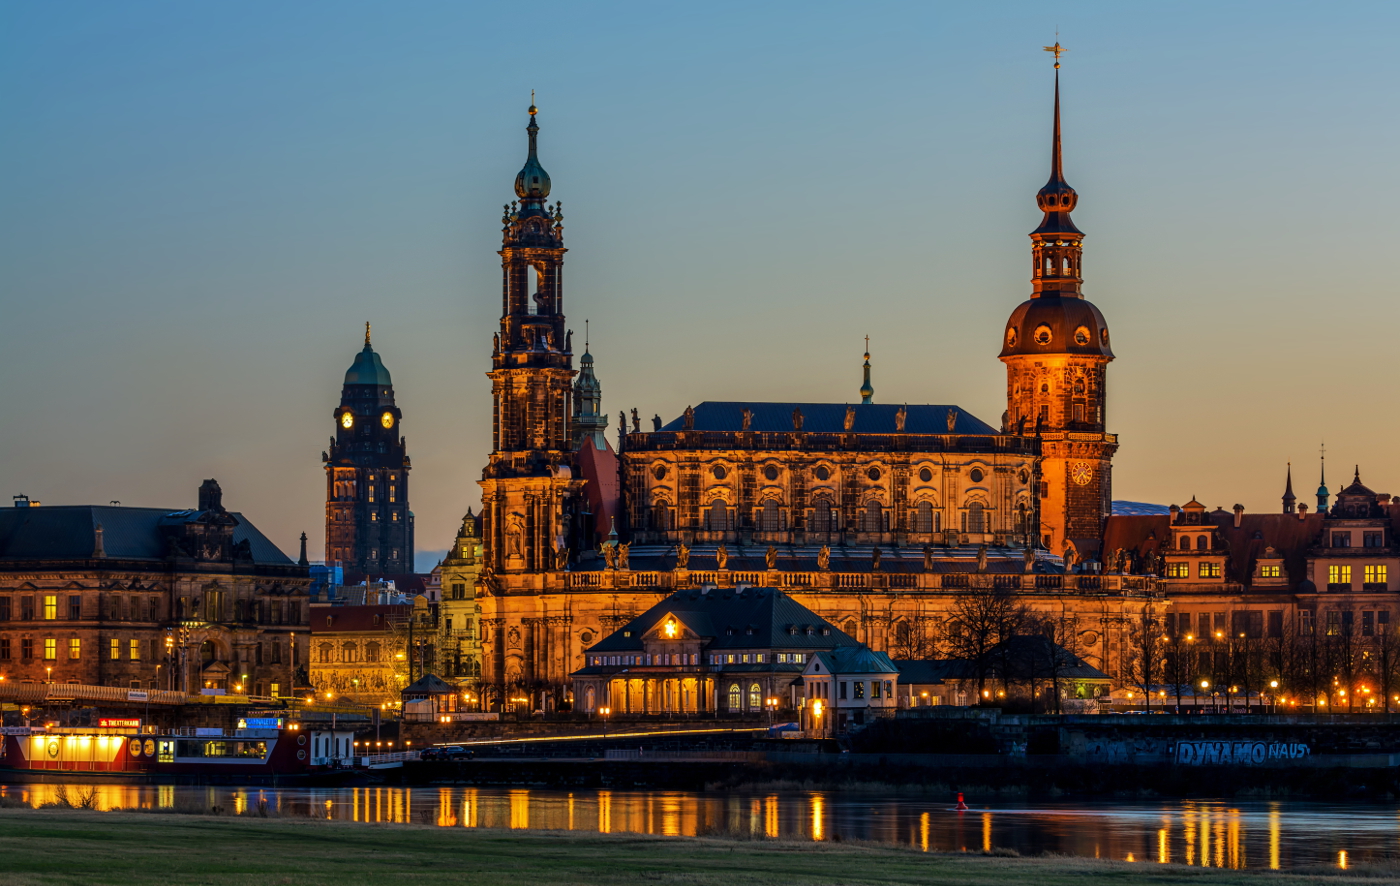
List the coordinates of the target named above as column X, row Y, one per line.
column 527, row 485
column 1056, row 351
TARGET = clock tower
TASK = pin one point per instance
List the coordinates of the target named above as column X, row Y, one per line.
column 1056, row 351
column 369, row 527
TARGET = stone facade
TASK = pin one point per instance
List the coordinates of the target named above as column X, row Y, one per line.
column 150, row 598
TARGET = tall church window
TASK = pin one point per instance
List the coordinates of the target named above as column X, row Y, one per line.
column 873, row 518
column 821, row 515
column 755, row 697
column 532, row 286
column 923, row 517
column 718, row 517
column 976, row 519
column 660, row 516
column 736, row 698
column 771, row 518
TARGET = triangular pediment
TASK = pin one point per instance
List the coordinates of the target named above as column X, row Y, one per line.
column 670, row 627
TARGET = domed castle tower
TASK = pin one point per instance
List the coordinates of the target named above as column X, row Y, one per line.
column 1056, row 351
column 369, row 527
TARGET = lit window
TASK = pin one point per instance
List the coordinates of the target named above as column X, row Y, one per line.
column 1270, row 571
column 50, row 607
column 135, row 650
column 75, row 649
column 50, row 650
column 1209, row 570
column 373, row 515
column 1178, row 570
column 1376, row 574
column 1339, row 575
column 391, row 495
column 116, row 649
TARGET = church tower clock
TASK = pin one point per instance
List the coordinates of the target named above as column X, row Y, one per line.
column 529, row 481
column 369, row 527
column 1056, row 351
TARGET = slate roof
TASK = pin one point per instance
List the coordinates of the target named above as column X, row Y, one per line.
column 1027, row 655
column 713, row 615
column 873, row 418
column 355, row 619
column 855, row 660
column 1285, row 533
column 66, row 532
column 429, row 684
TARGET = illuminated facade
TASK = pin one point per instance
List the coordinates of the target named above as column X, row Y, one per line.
column 369, row 527
column 876, row 517
column 150, row 598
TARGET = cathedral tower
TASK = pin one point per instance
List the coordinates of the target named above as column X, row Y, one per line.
column 527, row 484
column 369, row 527
column 1056, row 351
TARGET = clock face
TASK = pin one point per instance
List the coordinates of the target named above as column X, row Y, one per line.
column 1081, row 473
column 387, row 419
column 347, row 420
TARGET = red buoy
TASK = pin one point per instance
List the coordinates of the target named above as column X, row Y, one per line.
column 962, row 806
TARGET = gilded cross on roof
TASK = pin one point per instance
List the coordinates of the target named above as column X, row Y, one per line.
column 1058, row 50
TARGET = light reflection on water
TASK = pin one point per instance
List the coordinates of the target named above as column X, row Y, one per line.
column 1192, row 832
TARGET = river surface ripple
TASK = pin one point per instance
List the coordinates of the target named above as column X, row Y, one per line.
column 1207, row 833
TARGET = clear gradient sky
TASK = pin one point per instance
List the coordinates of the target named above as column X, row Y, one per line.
column 204, row 202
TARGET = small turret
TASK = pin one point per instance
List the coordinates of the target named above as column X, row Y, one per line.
column 1289, row 499
column 867, row 392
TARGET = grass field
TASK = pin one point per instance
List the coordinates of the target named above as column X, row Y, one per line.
column 75, row 846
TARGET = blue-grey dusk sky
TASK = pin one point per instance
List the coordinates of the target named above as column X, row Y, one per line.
column 204, row 202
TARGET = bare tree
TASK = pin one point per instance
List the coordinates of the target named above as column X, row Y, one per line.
column 1145, row 652
column 984, row 618
column 915, row 639
column 1387, row 661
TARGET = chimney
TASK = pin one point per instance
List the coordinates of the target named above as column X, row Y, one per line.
column 1303, row 511
column 211, row 497
column 1175, row 510
column 1239, row 515
column 303, row 561
column 98, row 550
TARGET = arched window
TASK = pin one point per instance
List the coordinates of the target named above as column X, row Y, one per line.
column 872, row 518
column 851, row 628
column 588, row 700
column 1202, row 542
column 821, row 515
column 661, row 516
column 976, row 520
column 736, row 698
column 1185, row 543
column 771, row 518
column 718, row 517
column 901, row 633
column 923, row 518
column 755, row 697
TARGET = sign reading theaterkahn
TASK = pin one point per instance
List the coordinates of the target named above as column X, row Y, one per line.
column 1205, row 753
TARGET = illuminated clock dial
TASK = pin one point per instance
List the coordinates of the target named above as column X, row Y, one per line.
column 1081, row 473
column 387, row 419
column 347, row 420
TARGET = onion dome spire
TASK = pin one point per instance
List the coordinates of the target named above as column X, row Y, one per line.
column 1057, row 245
column 532, row 183
column 867, row 392
column 1323, row 494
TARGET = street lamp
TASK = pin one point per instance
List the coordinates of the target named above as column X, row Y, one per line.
column 603, row 712
column 772, row 705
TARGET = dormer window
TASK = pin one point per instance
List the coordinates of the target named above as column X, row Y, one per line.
column 627, row 633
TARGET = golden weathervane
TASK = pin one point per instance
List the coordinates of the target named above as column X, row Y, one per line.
column 1058, row 50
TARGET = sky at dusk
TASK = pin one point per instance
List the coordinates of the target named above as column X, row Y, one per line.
column 204, row 202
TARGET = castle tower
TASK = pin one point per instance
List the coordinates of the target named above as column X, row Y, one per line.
column 1056, row 351
column 369, row 527
column 526, row 485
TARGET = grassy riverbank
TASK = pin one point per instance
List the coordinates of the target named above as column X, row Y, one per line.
column 80, row 847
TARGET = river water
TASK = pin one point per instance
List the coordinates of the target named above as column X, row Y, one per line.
column 1278, row 835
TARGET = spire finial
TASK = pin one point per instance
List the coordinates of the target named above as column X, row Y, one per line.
column 585, row 334
column 534, row 109
column 867, row 392
column 1057, row 49
column 366, row 333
